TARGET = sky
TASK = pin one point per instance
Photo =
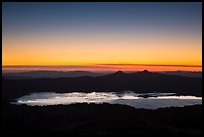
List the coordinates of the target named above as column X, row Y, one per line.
column 103, row 36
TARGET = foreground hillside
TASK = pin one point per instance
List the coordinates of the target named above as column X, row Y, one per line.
column 100, row 119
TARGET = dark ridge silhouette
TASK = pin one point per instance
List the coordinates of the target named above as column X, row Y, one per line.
column 140, row 82
column 100, row 119
column 49, row 74
column 58, row 74
column 145, row 71
column 116, row 74
column 119, row 72
column 193, row 74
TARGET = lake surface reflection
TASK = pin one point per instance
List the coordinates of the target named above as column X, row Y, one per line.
column 146, row 100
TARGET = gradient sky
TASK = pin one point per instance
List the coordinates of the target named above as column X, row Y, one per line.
column 102, row 33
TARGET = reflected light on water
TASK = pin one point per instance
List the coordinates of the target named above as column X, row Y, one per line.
column 176, row 97
column 153, row 101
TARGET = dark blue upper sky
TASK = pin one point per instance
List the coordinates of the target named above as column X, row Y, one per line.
column 78, row 15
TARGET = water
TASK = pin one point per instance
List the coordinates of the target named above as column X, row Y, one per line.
column 146, row 100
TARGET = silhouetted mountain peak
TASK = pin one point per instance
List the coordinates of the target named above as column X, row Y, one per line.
column 119, row 72
column 145, row 71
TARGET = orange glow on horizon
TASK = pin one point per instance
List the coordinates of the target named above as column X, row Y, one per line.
column 101, row 49
column 104, row 68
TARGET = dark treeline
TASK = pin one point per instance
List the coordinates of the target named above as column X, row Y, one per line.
column 100, row 119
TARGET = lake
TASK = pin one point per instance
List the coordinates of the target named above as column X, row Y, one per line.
column 145, row 100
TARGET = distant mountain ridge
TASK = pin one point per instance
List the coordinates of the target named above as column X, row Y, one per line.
column 184, row 73
column 60, row 74
column 140, row 82
column 49, row 74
